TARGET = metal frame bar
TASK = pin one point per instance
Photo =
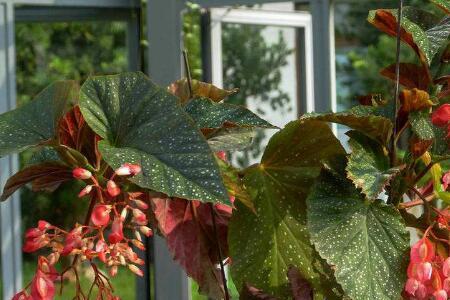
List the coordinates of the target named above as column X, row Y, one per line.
column 12, row 11
column 10, row 230
column 299, row 20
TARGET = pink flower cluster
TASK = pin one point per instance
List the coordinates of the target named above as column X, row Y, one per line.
column 102, row 237
column 428, row 273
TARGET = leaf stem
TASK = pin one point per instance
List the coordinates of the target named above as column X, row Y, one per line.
column 188, row 72
column 222, row 267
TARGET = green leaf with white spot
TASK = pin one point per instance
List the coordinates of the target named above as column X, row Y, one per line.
column 421, row 124
column 231, row 139
column 368, row 165
column 209, row 114
column 35, row 122
column 371, row 121
column 263, row 245
column 227, row 127
column 366, row 241
column 144, row 124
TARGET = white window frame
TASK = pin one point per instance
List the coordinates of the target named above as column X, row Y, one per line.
column 295, row 19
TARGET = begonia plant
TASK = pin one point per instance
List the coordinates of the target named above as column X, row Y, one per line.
column 309, row 221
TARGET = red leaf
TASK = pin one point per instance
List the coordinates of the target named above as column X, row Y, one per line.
column 45, row 175
column 74, row 132
column 411, row 75
column 301, row 290
column 188, row 229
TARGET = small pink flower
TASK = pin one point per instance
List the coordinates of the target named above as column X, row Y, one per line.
column 128, row 169
column 440, row 295
column 139, row 217
column 146, row 231
column 87, row 189
column 141, row 204
column 422, row 251
column 116, row 234
column 21, row 296
column 101, row 248
column 446, row 267
column 424, row 271
column 100, row 215
column 80, row 173
column 112, row 188
column 73, row 241
column 411, row 286
column 43, row 225
column 441, row 116
column 135, row 270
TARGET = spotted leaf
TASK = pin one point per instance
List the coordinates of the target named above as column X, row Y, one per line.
column 419, row 29
column 443, row 4
column 35, row 122
column 421, row 124
column 372, row 121
column 144, row 124
column 263, row 245
column 366, row 242
column 226, row 126
column 368, row 165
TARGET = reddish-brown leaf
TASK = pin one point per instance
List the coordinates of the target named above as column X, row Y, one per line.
column 250, row 292
column 385, row 21
column 74, row 132
column 411, row 75
column 188, row 229
column 301, row 290
column 44, row 175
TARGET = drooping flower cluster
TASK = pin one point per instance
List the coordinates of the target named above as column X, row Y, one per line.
column 104, row 235
column 428, row 272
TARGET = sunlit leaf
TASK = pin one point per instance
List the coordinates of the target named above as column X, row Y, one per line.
column 368, row 165
column 144, row 124
column 231, row 139
column 234, row 184
column 366, row 242
column 263, row 245
column 180, row 88
column 35, row 122
column 372, row 121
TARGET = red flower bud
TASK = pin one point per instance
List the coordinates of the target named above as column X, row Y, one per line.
column 85, row 191
column 112, row 188
column 100, row 215
column 441, row 116
column 116, row 234
column 139, row 217
column 80, row 173
column 135, row 270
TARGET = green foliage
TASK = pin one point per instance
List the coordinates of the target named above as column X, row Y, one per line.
column 366, row 241
column 368, row 165
column 263, row 245
column 370, row 121
column 37, row 121
column 143, row 124
column 421, row 125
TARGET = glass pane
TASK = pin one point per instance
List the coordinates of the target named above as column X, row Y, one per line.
column 263, row 66
column 53, row 51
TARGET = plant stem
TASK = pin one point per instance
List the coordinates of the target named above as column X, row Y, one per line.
column 222, row 267
column 397, row 84
column 188, row 73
